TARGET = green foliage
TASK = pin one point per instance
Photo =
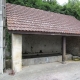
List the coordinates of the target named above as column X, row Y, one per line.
column 8, row 40
column 72, row 8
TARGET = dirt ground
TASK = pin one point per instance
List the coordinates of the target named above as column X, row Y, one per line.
column 49, row 71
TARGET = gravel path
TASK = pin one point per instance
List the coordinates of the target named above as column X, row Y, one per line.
column 49, row 71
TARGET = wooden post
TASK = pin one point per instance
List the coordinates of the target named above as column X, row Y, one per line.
column 63, row 49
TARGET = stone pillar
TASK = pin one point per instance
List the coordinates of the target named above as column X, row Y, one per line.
column 1, row 49
column 16, row 52
column 1, row 37
column 63, row 49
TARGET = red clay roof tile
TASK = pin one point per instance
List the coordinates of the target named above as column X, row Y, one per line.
column 21, row 18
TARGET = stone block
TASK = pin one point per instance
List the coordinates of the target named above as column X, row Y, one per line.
column 1, row 37
column 1, row 23
column 59, row 58
column 1, row 60
column 68, row 57
column 41, row 60
column 17, row 52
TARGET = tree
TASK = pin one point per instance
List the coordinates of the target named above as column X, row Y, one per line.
column 72, row 8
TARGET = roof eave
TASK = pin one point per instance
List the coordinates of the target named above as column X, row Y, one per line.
column 42, row 33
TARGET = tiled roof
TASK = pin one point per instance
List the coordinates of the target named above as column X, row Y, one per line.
column 21, row 18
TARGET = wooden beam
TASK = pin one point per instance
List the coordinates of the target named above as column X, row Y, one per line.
column 42, row 33
column 63, row 49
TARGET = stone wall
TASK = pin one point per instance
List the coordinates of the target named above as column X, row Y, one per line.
column 37, row 43
column 43, row 60
column 73, row 45
column 50, row 44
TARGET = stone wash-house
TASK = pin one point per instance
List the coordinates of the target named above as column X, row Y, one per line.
column 38, row 33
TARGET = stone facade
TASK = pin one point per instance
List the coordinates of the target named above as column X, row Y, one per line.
column 50, row 44
column 47, row 44
column 73, row 45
